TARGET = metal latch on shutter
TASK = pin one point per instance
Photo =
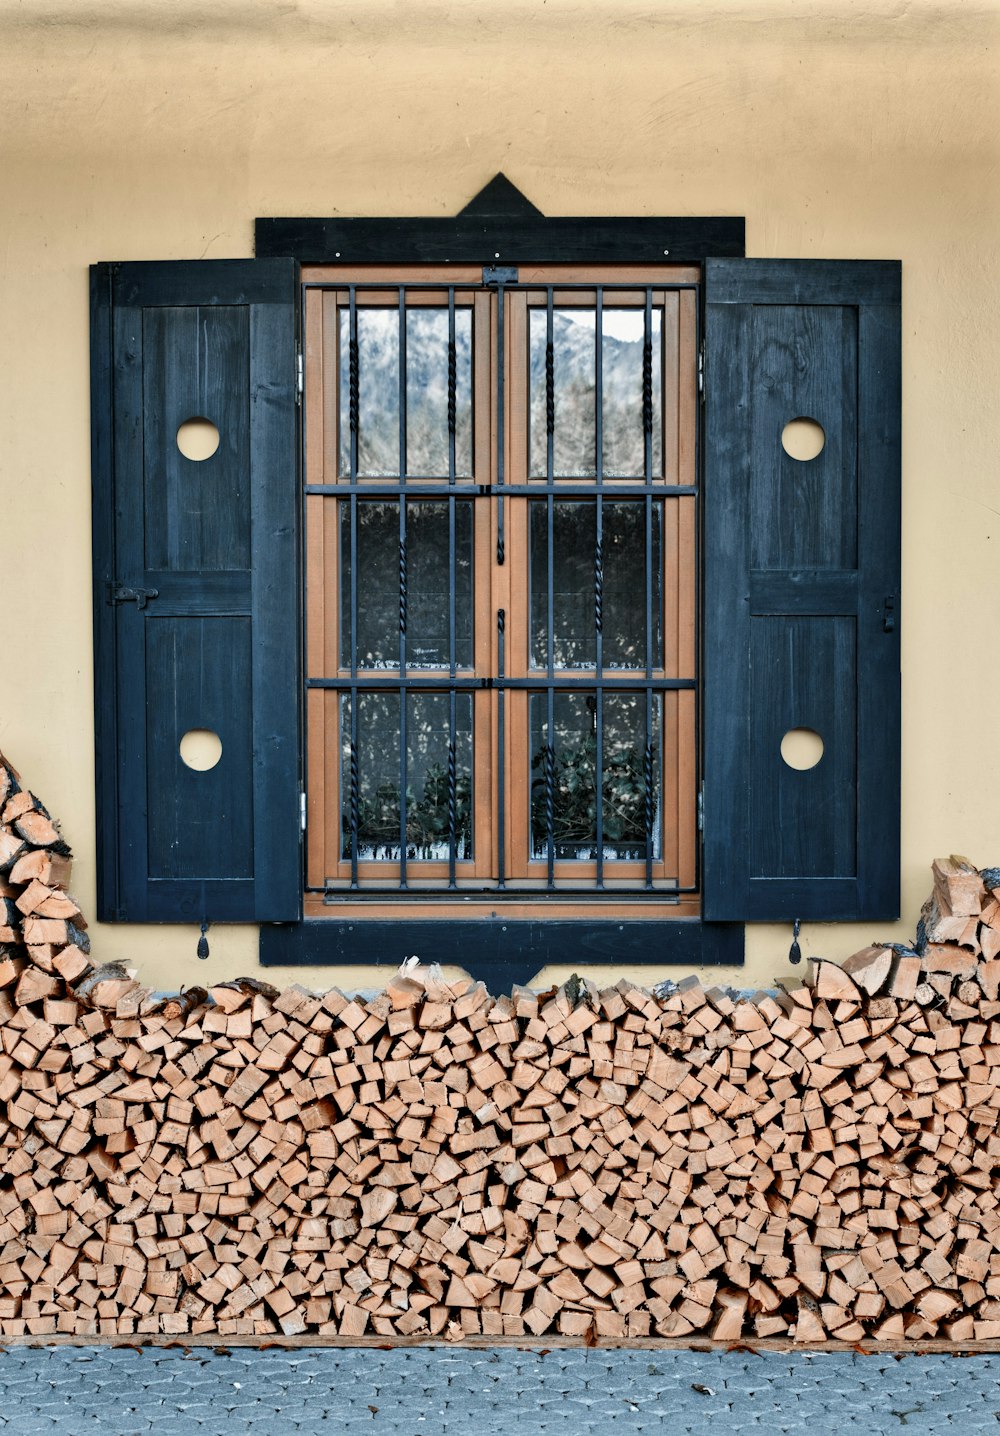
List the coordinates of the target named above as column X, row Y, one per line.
column 300, row 376
column 139, row 596
column 302, row 811
column 701, row 808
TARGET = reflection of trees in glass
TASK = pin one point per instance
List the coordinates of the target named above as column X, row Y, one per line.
column 574, row 778
column 574, row 371
column 574, row 807
column 427, row 737
column 427, row 583
column 574, row 535
column 426, row 392
column 426, row 819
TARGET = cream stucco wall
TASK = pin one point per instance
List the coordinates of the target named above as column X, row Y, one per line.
column 155, row 129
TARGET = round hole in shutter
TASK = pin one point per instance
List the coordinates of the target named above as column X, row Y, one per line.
column 801, row 748
column 197, row 439
column 200, row 749
column 803, row 439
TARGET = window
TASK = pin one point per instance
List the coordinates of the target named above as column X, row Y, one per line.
column 761, row 596
column 500, row 584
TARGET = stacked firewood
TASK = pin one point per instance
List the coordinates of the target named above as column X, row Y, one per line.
column 437, row 1162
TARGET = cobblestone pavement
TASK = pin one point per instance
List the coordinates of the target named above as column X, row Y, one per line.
column 420, row 1391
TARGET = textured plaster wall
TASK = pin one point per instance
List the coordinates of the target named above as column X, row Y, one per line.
column 156, row 129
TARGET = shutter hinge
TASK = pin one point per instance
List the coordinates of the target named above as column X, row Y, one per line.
column 701, row 808
column 302, row 811
column 300, row 378
column 701, row 369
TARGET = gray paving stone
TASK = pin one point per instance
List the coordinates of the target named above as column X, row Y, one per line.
column 567, row 1393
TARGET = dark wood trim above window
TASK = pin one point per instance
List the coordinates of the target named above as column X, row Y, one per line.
column 501, row 226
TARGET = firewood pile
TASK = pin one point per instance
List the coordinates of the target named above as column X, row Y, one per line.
column 438, row 1162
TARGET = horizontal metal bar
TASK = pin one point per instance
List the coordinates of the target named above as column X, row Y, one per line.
column 472, row 287
column 637, row 896
column 541, row 684
column 469, row 489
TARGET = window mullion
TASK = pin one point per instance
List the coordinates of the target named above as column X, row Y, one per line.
column 549, row 759
column 452, row 656
column 403, row 597
column 599, row 584
column 354, row 404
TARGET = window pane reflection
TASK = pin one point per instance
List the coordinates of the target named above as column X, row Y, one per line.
column 428, row 584
column 574, row 337
column 623, row 590
column 574, row 776
column 427, row 780
column 426, row 362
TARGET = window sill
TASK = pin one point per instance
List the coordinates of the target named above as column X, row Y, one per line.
column 498, row 949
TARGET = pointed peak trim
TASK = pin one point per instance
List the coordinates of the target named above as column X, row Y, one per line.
column 499, row 199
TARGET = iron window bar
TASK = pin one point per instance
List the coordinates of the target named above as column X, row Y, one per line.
column 403, row 829
column 483, row 891
column 599, row 580
column 452, row 597
column 647, row 462
column 438, row 681
column 432, row 487
column 354, row 408
column 550, row 751
column 397, row 486
column 501, row 863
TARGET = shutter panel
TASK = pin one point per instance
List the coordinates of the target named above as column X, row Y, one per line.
column 217, row 647
column 801, row 590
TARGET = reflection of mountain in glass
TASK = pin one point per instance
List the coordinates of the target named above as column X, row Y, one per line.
column 574, row 370
column 426, row 392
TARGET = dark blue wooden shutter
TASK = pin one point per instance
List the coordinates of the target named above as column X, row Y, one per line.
column 216, row 541
column 801, row 597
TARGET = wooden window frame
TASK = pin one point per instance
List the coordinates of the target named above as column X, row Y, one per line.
column 332, row 885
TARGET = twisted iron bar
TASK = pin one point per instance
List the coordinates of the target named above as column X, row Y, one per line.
column 500, row 553
column 402, row 586
column 550, row 388
column 452, row 797
column 647, row 387
column 354, row 381
column 355, row 812
column 647, row 778
column 550, row 786
column 599, row 586
column 452, row 385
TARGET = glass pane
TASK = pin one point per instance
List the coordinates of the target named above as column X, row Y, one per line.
column 623, row 593
column 428, row 584
column 378, row 392
column 427, row 392
column 427, row 782
column 624, row 436
column 574, row 374
column 573, row 776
